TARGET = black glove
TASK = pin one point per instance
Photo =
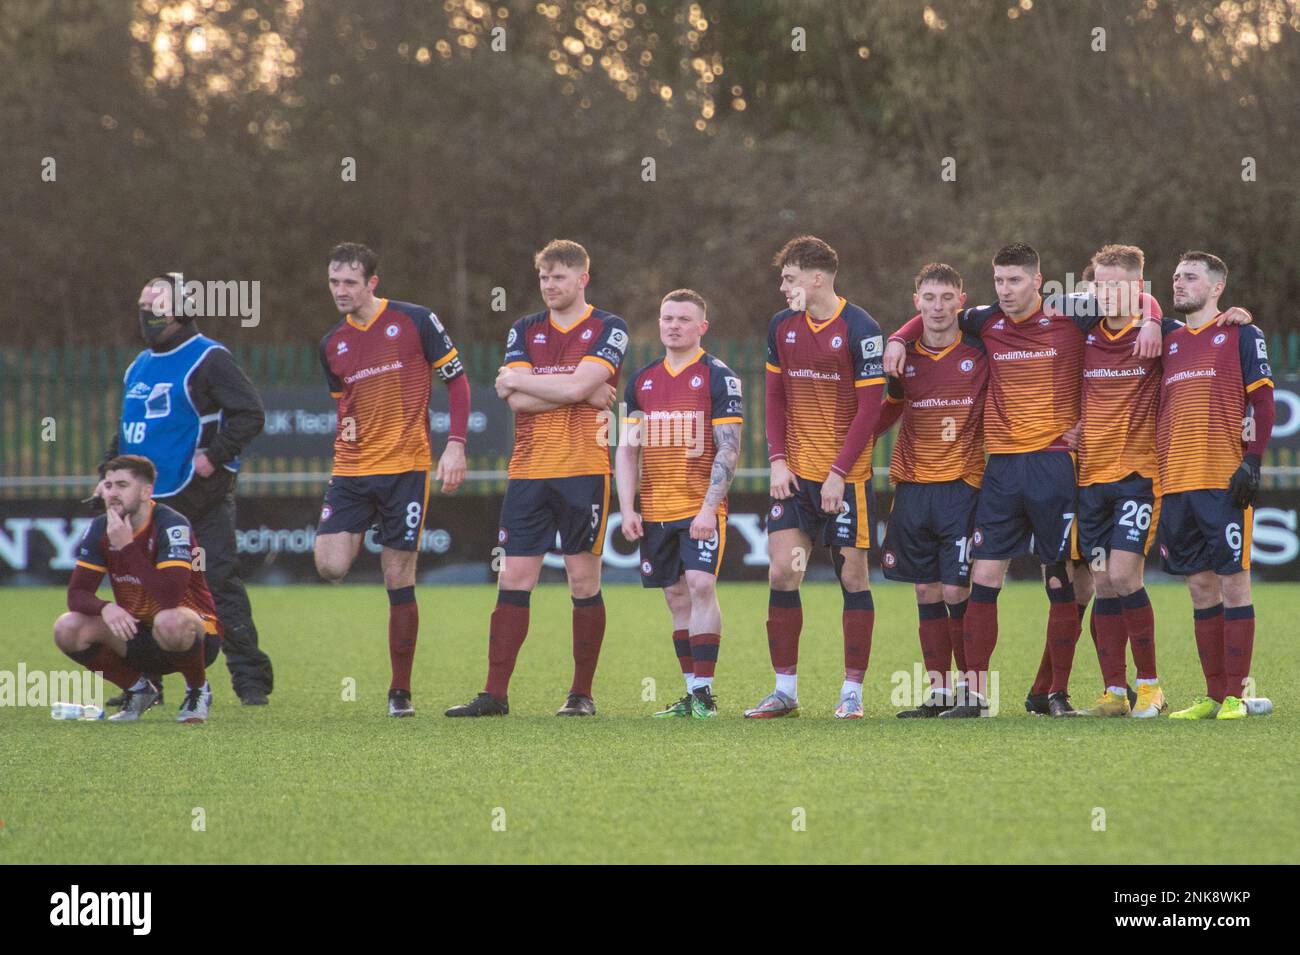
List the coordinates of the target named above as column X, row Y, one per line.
column 894, row 387
column 1245, row 482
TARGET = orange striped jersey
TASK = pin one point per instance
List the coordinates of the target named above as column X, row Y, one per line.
column 381, row 373
column 1207, row 373
column 572, row 440
column 1120, row 394
column 1034, row 367
column 168, row 541
column 941, row 437
column 821, row 365
column 671, row 416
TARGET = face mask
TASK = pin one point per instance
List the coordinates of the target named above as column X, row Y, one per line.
column 152, row 326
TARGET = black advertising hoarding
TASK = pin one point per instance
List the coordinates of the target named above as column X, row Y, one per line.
column 301, row 421
column 1286, row 396
column 38, row 540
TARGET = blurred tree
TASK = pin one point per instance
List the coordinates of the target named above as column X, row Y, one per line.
column 209, row 135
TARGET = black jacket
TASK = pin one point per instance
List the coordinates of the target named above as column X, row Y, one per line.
column 216, row 384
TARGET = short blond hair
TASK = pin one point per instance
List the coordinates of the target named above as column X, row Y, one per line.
column 563, row 252
column 686, row 295
column 1127, row 257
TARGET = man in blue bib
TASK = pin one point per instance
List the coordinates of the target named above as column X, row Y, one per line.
column 188, row 408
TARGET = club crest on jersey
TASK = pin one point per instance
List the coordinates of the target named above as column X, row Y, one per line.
column 696, row 381
column 586, row 336
column 967, row 364
column 978, row 537
column 777, row 511
column 392, row 330
column 647, row 568
column 325, row 513
column 1220, row 338
column 502, row 535
column 889, row 559
column 836, row 342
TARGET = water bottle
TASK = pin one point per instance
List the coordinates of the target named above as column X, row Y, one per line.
column 1258, row 705
column 75, row 711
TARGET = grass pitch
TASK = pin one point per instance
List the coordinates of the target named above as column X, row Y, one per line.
column 318, row 778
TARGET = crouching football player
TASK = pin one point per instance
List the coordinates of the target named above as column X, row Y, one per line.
column 686, row 469
column 162, row 618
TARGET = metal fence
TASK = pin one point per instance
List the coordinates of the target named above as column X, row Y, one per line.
column 59, row 408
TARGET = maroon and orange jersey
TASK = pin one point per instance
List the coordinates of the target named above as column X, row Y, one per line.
column 941, row 437
column 566, row 441
column 381, row 372
column 822, row 364
column 167, row 541
column 671, row 415
column 1120, row 395
column 1207, row 373
column 1034, row 368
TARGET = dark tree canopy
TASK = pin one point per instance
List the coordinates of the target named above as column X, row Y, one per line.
column 209, row 135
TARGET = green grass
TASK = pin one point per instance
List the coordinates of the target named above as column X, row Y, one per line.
column 313, row 778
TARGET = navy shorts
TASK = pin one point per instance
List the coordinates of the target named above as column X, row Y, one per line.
column 928, row 538
column 1201, row 530
column 144, row 654
column 667, row 551
column 537, row 509
column 849, row 528
column 1120, row 515
column 392, row 503
column 1026, row 495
